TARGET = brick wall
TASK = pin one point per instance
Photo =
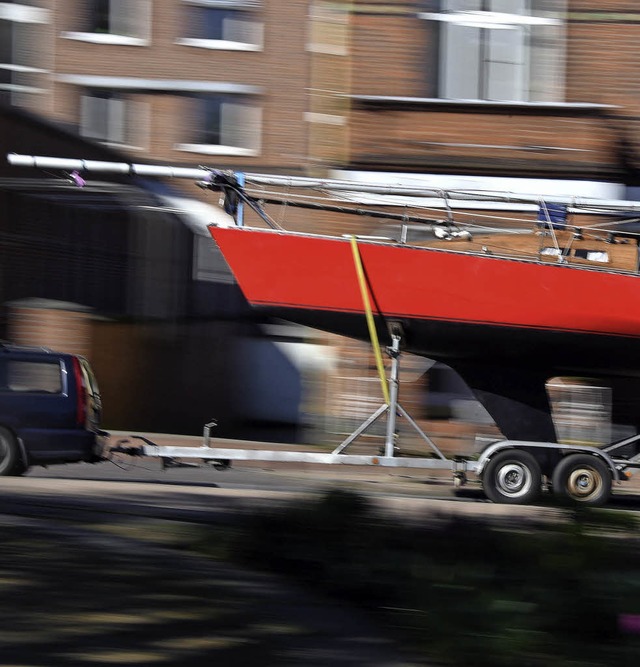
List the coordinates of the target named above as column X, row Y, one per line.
column 390, row 48
column 499, row 143
column 63, row 327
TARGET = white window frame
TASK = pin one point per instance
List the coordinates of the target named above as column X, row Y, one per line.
column 256, row 43
column 481, row 36
column 24, row 13
column 23, row 64
column 138, row 15
column 127, row 120
column 230, row 108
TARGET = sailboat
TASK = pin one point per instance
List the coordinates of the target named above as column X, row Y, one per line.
column 508, row 304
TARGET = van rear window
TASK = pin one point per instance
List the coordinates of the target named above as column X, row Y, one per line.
column 33, row 376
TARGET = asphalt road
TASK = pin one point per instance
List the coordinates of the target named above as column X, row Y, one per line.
column 132, row 484
column 143, row 487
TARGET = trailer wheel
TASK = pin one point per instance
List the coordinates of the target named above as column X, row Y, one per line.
column 512, row 477
column 583, row 478
column 221, row 464
column 10, row 459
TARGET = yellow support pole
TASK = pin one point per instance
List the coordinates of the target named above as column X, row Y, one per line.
column 373, row 334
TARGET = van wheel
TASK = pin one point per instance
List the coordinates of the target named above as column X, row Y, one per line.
column 11, row 462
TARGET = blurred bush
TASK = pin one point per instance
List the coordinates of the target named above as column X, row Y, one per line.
column 461, row 591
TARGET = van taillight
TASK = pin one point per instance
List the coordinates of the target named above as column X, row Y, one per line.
column 81, row 393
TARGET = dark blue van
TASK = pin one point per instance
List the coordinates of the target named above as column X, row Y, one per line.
column 50, row 409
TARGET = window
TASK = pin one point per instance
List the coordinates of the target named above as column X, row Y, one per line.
column 228, row 124
column 580, row 253
column 113, row 118
column 6, row 60
column 552, row 252
column 6, row 42
column 34, row 376
column 500, row 50
column 217, row 24
column 592, row 255
column 120, row 17
column 22, row 66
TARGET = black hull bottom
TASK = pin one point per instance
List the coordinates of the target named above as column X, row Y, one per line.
column 506, row 367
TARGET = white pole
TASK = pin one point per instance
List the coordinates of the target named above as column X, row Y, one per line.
column 584, row 203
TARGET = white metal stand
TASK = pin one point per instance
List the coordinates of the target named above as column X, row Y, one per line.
column 391, row 409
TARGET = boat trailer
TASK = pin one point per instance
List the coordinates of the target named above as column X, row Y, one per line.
column 510, row 471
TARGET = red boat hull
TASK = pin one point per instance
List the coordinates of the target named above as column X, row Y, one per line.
column 456, row 299
column 488, row 317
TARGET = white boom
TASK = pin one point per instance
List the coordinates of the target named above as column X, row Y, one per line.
column 203, row 173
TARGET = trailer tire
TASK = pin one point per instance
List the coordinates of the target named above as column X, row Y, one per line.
column 582, row 478
column 11, row 462
column 512, row 477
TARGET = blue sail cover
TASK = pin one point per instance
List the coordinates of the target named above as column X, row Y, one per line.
column 553, row 214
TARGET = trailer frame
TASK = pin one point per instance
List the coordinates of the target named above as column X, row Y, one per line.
column 589, row 485
column 510, row 471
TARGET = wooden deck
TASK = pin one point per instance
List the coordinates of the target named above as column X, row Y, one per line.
column 595, row 250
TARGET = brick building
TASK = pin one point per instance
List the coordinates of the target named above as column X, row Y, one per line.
column 545, row 89
column 527, row 88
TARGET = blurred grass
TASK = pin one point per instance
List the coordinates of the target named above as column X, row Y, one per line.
column 461, row 591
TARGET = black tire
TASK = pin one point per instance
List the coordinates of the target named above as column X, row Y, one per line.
column 583, row 479
column 11, row 462
column 512, row 477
